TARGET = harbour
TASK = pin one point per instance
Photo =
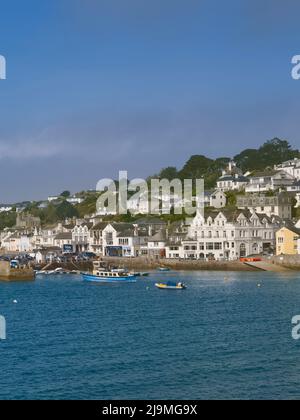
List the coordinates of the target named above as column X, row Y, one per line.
column 150, row 203
column 223, row 337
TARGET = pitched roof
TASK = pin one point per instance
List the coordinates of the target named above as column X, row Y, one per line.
column 239, row 178
column 124, row 230
column 121, row 227
column 150, row 221
column 100, row 226
column 64, row 235
column 288, row 225
column 267, row 172
column 88, row 224
column 69, row 226
column 160, row 236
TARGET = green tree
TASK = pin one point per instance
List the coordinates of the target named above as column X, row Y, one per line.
column 66, row 210
column 65, row 194
column 8, row 219
column 196, row 167
column 49, row 214
column 269, row 154
column 88, row 206
column 169, row 173
column 231, row 198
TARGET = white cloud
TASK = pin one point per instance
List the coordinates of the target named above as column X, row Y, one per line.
column 29, row 148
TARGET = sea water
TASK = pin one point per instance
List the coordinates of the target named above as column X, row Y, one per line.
column 224, row 337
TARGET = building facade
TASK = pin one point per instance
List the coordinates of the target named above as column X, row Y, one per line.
column 279, row 205
column 287, row 239
column 229, row 236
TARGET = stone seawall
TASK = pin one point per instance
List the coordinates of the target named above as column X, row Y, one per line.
column 10, row 274
column 148, row 264
column 289, row 261
column 145, row 264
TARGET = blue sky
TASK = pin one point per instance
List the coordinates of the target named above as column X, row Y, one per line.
column 98, row 86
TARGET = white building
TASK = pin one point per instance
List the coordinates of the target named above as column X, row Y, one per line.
column 53, row 198
column 81, row 236
column 291, row 167
column 120, row 240
column 4, row 209
column 64, row 239
column 229, row 235
column 16, row 242
column 74, row 200
column 232, row 182
column 218, row 199
column 295, row 187
column 269, row 181
column 157, row 245
column 174, row 250
column 96, row 238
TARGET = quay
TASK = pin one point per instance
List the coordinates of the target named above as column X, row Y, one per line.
column 267, row 266
column 140, row 263
column 146, row 264
column 10, row 272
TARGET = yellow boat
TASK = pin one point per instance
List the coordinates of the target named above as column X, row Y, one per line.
column 171, row 286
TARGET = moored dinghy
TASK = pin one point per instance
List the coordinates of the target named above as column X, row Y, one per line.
column 163, row 269
column 171, row 286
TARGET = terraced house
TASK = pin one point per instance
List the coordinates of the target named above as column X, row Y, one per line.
column 280, row 204
column 287, row 240
column 120, row 240
column 81, row 235
column 229, row 235
column 96, row 238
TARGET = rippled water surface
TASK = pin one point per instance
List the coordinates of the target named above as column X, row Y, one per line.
column 223, row 337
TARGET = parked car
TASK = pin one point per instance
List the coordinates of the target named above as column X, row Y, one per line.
column 89, row 255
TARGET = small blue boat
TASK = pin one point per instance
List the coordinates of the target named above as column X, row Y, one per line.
column 163, row 269
column 103, row 275
column 109, row 277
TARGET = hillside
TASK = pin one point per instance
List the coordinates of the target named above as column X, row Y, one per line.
column 269, row 154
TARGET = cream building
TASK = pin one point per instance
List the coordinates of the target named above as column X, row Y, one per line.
column 287, row 240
